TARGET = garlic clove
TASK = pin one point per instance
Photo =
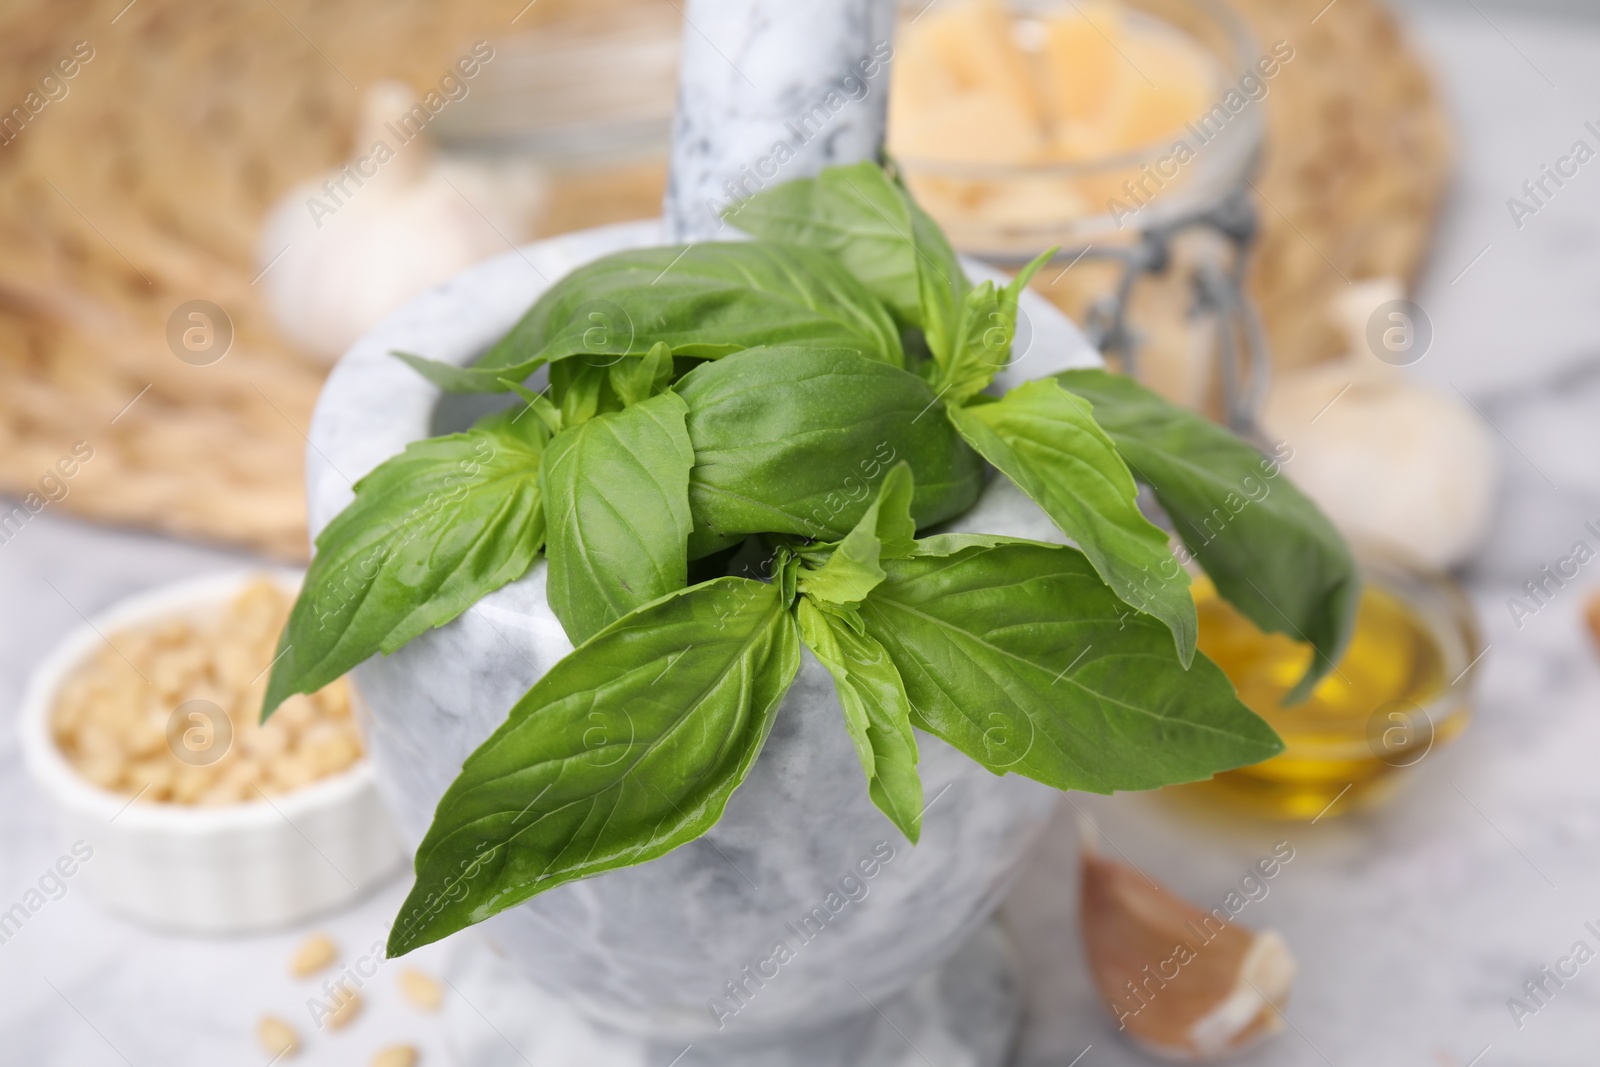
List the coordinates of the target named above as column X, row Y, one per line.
column 1181, row 982
column 1405, row 465
column 1353, row 310
column 1390, row 459
column 385, row 111
column 344, row 249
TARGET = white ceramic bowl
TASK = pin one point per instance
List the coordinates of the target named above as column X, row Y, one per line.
column 213, row 870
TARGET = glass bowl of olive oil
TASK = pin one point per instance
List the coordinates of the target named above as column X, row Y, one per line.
column 1400, row 691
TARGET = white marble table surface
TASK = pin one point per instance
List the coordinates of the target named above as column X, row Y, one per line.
column 1412, row 926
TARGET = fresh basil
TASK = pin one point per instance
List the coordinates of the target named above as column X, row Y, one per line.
column 814, row 397
column 636, row 380
column 430, row 532
column 1019, row 655
column 1267, row 547
column 850, row 570
column 616, row 498
column 703, row 300
column 1046, row 440
column 793, row 441
column 581, row 388
column 626, row 749
column 870, row 224
column 877, row 712
column 985, row 328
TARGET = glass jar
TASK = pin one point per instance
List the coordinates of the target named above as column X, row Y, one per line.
column 1153, row 238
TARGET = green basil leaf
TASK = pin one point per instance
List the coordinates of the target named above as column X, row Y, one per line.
column 1267, row 547
column 616, row 492
column 876, row 712
column 1011, row 292
column 581, row 388
column 703, row 300
column 941, row 283
column 858, row 216
column 986, row 326
column 848, row 571
column 626, row 749
column 1046, row 440
column 636, row 380
column 948, row 544
column 430, row 532
column 469, row 379
column 983, row 338
column 539, row 404
column 792, row 441
column 1021, row 657
column 785, row 571
column 982, row 346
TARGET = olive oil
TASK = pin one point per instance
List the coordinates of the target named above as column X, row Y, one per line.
column 1389, row 701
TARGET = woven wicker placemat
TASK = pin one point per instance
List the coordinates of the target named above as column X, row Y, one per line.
column 142, row 187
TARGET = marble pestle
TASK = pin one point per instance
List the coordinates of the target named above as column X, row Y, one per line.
column 771, row 90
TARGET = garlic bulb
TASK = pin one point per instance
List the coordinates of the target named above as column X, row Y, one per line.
column 342, row 250
column 1390, row 460
column 1185, row 983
